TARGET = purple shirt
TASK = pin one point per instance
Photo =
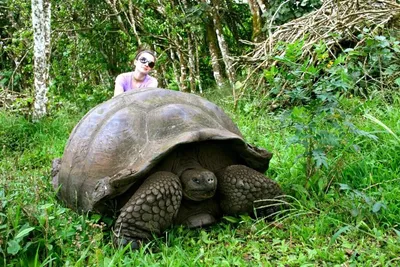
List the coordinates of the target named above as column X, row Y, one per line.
column 125, row 80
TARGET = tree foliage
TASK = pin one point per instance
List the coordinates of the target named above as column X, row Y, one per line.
column 330, row 117
column 93, row 41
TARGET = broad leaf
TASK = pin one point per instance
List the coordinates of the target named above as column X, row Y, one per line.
column 377, row 206
column 13, row 247
column 24, row 232
column 320, row 158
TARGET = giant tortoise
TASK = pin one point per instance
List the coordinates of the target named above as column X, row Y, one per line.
column 158, row 157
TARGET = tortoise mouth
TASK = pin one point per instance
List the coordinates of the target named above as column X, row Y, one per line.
column 199, row 195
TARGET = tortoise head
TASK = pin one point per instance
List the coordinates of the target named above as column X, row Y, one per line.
column 198, row 184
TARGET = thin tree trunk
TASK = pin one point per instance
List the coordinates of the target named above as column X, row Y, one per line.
column 192, row 66
column 256, row 17
column 183, row 74
column 163, row 83
column 263, row 6
column 113, row 6
column 132, row 22
column 197, row 65
column 175, row 68
column 213, row 47
column 191, row 56
column 41, row 37
column 222, row 43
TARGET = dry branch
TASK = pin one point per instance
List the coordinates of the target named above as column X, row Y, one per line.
column 7, row 98
column 333, row 23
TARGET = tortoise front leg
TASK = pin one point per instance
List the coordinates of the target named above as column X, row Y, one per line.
column 150, row 210
column 240, row 188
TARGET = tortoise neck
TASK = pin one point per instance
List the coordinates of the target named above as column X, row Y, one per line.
column 186, row 159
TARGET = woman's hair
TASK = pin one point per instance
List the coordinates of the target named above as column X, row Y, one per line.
column 146, row 51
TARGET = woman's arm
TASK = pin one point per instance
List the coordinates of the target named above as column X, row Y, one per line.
column 153, row 83
column 118, row 89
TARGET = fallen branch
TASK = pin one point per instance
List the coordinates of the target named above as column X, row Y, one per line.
column 335, row 22
column 343, row 18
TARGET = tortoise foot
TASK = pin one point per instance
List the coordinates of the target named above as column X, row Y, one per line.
column 123, row 241
column 150, row 210
column 246, row 191
column 199, row 220
column 194, row 214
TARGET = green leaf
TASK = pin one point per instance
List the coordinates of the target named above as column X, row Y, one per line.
column 300, row 190
column 338, row 233
column 377, row 206
column 320, row 158
column 95, row 217
column 24, row 232
column 354, row 212
column 397, row 81
column 397, row 232
column 232, row 219
column 205, row 238
column 359, row 132
column 382, row 40
column 322, row 183
column 238, row 85
column 344, row 187
column 13, row 247
column 304, row 3
column 200, row 255
column 372, row 118
column 46, row 206
column 356, row 148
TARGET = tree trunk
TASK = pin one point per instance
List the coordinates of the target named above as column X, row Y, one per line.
column 175, row 68
column 222, row 43
column 256, row 17
column 41, row 37
column 263, row 6
column 183, row 74
column 191, row 55
column 132, row 22
column 197, row 65
column 213, row 47
column 192, row 66
column 163, row 82
column 113, row 6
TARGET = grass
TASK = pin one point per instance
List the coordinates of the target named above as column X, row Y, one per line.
column 347, row 215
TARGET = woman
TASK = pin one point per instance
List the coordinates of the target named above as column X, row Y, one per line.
column 139, row 78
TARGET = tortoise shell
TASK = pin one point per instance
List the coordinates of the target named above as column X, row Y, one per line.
column 119, row 141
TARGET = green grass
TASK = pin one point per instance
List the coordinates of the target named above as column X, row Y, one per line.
column 347, row 215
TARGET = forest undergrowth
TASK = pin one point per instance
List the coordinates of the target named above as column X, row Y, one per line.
column 333, row 126
column 346, row 212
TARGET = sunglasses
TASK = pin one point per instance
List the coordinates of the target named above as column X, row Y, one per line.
column 146, row 61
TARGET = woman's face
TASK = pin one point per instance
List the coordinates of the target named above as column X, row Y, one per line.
column 144, row 63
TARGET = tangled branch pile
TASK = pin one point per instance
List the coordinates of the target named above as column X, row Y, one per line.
column 9, row 98
column 334, row 22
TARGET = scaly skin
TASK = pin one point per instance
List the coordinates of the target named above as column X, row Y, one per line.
column 198, row 184
column 239, row 186
column 192, row 199
column 151, row 209
column 195, row 214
